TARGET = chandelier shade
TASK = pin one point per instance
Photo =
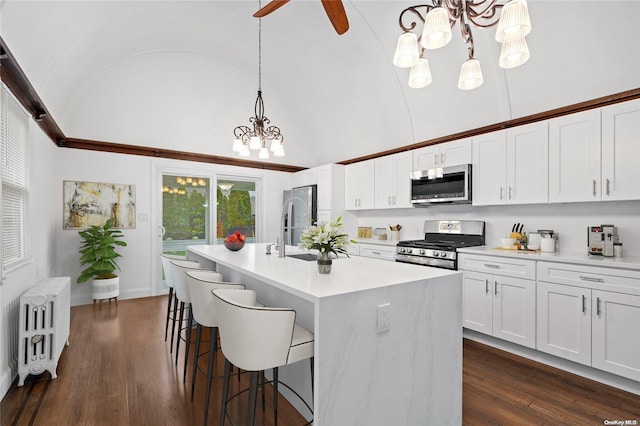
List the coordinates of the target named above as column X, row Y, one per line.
column 257, row 137
column 407, row 52
column 420, row 75
column 510, row 16
column 437, row 29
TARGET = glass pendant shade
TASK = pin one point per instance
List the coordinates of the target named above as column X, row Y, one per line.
column 406, row 51
column 420, row 75
column 244, row 151
column 514, row 21
column 254, row 143
column 237, row 145
column 279, row 153
column 470, row 75
column 514, row 53
column 278, row 148
column 437, row 29
column 263, row 154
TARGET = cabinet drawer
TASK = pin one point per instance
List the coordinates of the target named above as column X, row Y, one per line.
column 505, row 266
column 378, row 251
column 618, row 280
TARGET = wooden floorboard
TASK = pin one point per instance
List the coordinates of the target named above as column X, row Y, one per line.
column 118, row 371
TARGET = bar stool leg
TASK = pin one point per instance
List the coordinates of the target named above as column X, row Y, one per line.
column 173, row 320
column 180, row 320
column 275, row 396
column 166, row 325
column 225, row 391
column 253, row 396
column 195, row 361
column 213, row 343
column 187, row 344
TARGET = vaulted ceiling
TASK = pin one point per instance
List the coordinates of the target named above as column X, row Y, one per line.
column 180, row 75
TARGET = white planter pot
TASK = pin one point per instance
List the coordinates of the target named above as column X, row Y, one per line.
column 106, row 288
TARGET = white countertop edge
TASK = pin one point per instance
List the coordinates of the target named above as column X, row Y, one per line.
column 631, row 262
column 349, row 275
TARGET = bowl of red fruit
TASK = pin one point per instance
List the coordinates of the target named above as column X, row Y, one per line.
column 235, row 241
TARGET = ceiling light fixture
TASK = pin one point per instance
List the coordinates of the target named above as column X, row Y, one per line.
column 256, row 138
column 440, row 17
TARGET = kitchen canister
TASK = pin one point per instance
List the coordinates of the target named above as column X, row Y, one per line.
column 617, row 250
column 547, row 245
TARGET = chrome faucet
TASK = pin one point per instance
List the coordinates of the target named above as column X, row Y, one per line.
column 286, row 208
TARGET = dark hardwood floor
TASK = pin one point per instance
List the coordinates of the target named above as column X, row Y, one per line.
column 118, row 371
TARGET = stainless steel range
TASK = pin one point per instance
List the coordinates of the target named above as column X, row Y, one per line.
column 441, row 240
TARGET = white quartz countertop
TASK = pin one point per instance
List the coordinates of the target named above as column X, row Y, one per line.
column 301, row 277
column 582, row 258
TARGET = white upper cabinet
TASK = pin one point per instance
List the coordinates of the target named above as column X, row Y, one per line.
column 442, row 155
column 621, row 151
column 393, row 181
column 511, row 166
column 359, row 185
column 574, row 157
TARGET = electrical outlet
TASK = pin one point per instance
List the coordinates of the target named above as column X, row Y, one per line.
column 384, row 317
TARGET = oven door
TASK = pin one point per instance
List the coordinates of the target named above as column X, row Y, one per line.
column 426, row 261
column 443, row 185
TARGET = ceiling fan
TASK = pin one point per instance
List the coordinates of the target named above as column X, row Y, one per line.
column 334, row 8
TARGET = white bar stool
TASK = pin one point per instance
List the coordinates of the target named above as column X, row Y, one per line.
column 179, row 268
column 200, row 284
column 255, row 339
column 168, row 279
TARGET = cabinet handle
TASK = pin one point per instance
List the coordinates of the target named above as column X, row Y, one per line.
column 394, row 200
column 495, row 288
column 608, row 182
column 584, row 306
column 598, row 306
column 486, row 286
column 389, row 200
column 594, row 187
column 489, row 265
column 591, row 279
column 376, row 253
column 501, row 189
column 435, row 158
column 509, row 191
column 442, row 158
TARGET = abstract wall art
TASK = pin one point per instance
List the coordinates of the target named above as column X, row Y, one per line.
column 93, row 203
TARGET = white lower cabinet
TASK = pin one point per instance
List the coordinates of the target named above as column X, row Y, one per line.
column 378, row 251
column 587, row 323
column 497, row 301
column 564, row 321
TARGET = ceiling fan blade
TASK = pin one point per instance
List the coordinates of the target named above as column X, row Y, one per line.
column 272, row 6
column 337, row 15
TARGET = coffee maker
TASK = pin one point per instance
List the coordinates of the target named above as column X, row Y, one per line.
column 601, row 239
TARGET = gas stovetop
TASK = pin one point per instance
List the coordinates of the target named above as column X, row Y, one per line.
column 441, row 240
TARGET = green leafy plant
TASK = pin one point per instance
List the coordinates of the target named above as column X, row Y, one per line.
column 98, row 250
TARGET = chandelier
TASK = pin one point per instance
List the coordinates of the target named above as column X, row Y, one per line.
column 255, row 138
column 441, row 16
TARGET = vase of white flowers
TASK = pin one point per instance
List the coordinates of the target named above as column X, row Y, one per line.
column 327, row 238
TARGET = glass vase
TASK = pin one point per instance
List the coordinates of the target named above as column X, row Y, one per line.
column 324, row 263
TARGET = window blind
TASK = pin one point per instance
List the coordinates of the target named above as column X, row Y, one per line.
column 14, row 125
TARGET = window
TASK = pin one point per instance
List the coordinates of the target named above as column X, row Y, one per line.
column 14, row 124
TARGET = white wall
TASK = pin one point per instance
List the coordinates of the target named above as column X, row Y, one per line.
column 42, row 204
column 55, row 250
column 570, row 221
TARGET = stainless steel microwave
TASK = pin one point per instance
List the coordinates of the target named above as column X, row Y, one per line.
column 441, row 185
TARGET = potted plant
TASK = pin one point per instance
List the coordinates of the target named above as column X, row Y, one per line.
column 326, row 238
column 98, row 250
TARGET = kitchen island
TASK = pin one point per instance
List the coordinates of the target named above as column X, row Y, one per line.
column 410, row 374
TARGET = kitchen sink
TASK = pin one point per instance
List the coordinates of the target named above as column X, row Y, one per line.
column 304, row 256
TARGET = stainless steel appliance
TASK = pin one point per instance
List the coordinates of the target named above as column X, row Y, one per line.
column 601, row 239
column 441, row 240
column 301, row 212
column 441, row 185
